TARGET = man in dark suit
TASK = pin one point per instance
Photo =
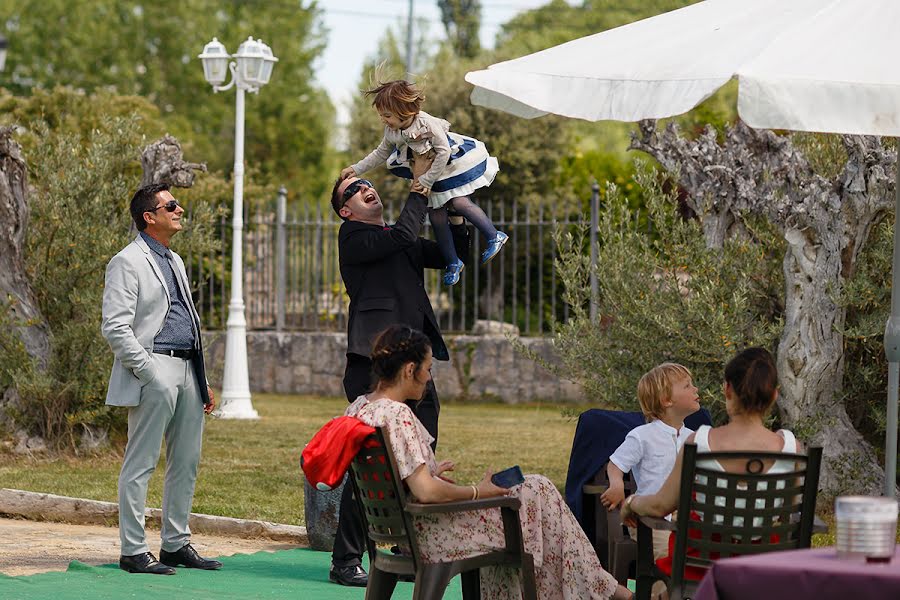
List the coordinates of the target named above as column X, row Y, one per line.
column 383, row 270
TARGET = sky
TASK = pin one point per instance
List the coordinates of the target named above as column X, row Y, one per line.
column 364, row 22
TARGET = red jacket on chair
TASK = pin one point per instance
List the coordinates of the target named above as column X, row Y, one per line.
column 327, row 456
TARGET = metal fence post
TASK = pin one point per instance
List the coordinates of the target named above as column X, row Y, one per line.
column 595, row 216
column 280, row 260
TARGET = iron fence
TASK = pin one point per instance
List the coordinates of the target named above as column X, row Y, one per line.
column 292, row 277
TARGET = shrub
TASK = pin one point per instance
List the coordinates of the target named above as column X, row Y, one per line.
column 867, row 296
column 83, row 170
column 662, row 296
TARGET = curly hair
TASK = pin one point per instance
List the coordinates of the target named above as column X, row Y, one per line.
column 400, row 97
column 396, row 346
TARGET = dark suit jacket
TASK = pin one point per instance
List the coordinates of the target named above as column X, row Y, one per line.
column 383, row 269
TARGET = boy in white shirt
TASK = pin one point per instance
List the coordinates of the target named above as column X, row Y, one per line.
column 667, row 395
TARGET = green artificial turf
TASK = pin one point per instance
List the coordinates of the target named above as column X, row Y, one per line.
column 285, row 575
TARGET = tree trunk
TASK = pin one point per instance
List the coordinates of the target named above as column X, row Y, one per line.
column 825, row 224
column 14, row 283
column 811, row 364
column 162, row 162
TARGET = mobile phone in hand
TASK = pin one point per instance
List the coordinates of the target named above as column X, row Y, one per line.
column 508, row 478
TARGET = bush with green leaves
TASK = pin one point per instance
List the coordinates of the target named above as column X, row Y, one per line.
column 867, row 296
column 83, row 158
column 662, row 296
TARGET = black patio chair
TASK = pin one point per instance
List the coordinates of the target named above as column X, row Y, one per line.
column 710, row 501
column 615, row 548
column 598, row 434
column 388, row 513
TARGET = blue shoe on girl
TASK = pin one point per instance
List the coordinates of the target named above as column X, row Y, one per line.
column 494, row 247
column 453, row 271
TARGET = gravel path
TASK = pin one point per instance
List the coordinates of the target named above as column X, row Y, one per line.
column 29, row 547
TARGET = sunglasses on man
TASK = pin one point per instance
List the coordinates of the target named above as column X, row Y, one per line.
column 170, row 206
column 353, row 188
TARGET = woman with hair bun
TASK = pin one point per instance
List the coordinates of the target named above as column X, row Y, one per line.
column 566, row 566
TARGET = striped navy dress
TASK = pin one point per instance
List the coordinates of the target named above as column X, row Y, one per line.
column 461, row 163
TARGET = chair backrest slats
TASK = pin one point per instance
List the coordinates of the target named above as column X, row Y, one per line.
column 382, row 496
column 723, row 514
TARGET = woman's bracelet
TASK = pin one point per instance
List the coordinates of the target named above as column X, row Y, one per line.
column 628, row 502
column 474, row 492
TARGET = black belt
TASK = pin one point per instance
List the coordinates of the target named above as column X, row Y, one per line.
column 185, row 354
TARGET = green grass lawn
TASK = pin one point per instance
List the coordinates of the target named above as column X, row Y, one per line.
column 250, row 469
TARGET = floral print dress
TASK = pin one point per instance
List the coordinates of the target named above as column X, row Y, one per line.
column 566, row 567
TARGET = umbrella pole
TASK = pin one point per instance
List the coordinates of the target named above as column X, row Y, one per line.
column 892, row 351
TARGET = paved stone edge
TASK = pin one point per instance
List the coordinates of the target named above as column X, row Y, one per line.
column 80, row 511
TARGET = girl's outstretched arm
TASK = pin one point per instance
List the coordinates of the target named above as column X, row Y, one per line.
column 375, row 158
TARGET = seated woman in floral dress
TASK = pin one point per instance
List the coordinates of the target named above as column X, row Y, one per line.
column 566, row 566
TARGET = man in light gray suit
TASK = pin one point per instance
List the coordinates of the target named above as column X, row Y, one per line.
column 153, row 329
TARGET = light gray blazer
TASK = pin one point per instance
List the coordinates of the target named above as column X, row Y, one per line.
column 135, row 306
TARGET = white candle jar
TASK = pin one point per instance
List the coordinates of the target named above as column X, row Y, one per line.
column 866, row 527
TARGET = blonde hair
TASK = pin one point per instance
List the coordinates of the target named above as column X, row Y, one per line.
column 656, row 385
column 400, row 97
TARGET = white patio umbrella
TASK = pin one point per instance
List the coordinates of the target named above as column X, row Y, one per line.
column 805, row 65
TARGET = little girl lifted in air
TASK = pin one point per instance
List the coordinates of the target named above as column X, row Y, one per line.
column 461, row 166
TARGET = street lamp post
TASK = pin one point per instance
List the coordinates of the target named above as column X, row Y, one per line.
column 250, row 70
column 2, row 52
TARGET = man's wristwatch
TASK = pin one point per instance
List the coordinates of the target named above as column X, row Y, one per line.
column 628, row 502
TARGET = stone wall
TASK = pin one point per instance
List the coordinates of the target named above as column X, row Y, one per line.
column 480, row 366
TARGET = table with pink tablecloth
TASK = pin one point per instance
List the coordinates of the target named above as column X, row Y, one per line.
column 798, row 574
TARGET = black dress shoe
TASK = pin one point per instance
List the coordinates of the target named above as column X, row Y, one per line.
column 189, row 558
column 354, row 576
column 144, row 563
